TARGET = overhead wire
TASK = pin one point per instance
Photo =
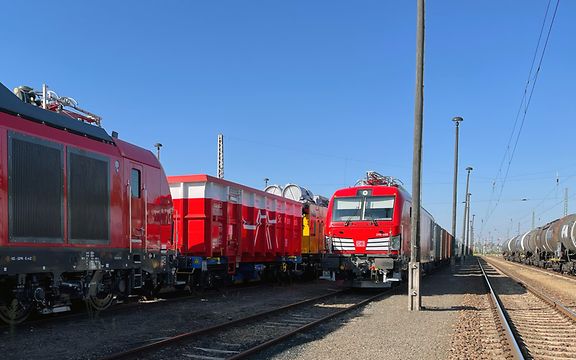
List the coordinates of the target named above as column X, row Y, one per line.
column 504, row 156
column 524, row 104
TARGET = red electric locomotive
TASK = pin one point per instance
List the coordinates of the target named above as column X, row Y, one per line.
column 368, row 233
column 84, row 215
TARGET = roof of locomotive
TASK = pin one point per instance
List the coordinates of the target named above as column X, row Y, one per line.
column 137, row 153
column 11, row 104
column 378, row 190
column 207, row 178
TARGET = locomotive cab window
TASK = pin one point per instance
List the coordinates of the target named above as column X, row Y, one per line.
column 347, row 209
column 135, row 181
column 379, row 208
column 363, row 208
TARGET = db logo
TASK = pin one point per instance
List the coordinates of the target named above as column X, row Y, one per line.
column 360, row 243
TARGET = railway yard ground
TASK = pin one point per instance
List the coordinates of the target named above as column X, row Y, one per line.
column 457, row 321
column 386, row 329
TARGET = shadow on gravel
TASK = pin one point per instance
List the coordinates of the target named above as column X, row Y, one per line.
column 466, row 279
column 441, row 286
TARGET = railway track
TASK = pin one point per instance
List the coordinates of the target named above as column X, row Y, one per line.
column 240, row 338
column 536, row 326
column 549, row 272
column 81, row 312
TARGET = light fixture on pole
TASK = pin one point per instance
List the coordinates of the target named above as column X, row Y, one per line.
column 158, row 146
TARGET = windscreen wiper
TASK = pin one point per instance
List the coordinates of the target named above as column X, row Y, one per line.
column 347, row 222
column 372, row 220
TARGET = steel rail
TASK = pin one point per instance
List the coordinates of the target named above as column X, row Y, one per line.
column 278, row 339
column 132, row 353
column 546, row 271
column 510, row 337
column 570, row 314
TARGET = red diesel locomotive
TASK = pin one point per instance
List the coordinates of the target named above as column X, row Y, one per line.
column 84, row 215
column 368, row 233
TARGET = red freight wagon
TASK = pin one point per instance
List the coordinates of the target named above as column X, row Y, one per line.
column 230, row 227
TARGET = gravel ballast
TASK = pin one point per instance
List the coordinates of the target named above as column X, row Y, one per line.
column 386, row 329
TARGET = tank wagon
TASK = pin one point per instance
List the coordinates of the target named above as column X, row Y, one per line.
column 368, row 233
column 84, row 215
column 550, row 246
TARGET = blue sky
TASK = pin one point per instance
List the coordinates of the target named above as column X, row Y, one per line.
column 318, row 92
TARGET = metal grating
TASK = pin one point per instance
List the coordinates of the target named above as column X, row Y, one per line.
column 88, row 198
column 35, row 190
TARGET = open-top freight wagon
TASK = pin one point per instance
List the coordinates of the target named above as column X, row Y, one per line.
column 226, row 231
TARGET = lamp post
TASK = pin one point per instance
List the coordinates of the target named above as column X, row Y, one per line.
column 158, row 146
column 414, row 275
column 471, row 235
column 457, row 121
column 266, row 182
column 464, row 226
column 468, row 243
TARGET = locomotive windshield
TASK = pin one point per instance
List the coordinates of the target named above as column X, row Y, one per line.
column 363, row 208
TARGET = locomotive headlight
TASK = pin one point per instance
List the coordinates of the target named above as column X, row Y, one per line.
column 395, row 242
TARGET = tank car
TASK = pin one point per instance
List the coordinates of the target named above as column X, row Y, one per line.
column 550, row 246
column 368, row 233
column 85, row 215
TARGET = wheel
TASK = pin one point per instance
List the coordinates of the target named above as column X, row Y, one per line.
column 15, row 312
column 100, row 301
column 100, row 295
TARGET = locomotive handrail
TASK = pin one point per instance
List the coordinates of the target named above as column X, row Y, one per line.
column 145, row 232
column 129, row 195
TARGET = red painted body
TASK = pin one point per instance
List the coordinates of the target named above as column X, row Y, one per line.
column 368, row 231
column 363, row 230
column 158, row 233
column 83, row 216
column 220, row 218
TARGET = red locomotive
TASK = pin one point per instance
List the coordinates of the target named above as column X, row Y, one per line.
column 368, row 233
column 84, row 214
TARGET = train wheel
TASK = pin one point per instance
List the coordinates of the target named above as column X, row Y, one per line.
column 15, row 312
column 100, row 295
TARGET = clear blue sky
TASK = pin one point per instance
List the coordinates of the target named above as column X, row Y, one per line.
column 318, row 92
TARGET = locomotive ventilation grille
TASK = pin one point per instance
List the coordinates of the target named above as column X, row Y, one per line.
column 374, row 244
column 35, row 189
column 378, row 244
column 343, row 244
column 88, row 184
